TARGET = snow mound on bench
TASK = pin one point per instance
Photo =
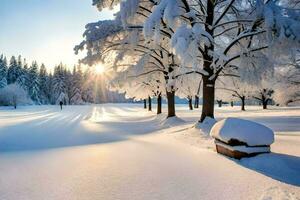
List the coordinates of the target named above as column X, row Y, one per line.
column 249, row 132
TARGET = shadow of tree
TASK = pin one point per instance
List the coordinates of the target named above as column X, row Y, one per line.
column 58, row 134
column 281, row 167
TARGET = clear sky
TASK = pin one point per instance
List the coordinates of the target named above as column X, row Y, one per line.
column 45, row 30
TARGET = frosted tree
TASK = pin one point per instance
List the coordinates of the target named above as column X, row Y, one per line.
column 76, row 86
column 287, row 86
column 3, row 71
column 286, row 93
column 264, row 96
column 215, row 35
column 23, row 79
column 34, row 86
column 121, row 42
column 212, row 36
column 139, row 87
column 234, row 88
column 189, row 87
column 14, row 70
column 59, row 88
column 264, row 90
column 44, row 85
column 13, row 95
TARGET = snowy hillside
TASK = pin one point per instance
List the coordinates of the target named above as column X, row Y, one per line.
column 121, row 151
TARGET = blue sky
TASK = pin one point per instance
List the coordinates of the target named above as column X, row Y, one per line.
column 45, row 30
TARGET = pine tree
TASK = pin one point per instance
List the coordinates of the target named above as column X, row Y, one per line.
column 3, row 71
column 49, row 85
column 59, row 89
column 14, row 70
column 43, row 86
column 23, row 78
column 76, row 86
column 34, row 83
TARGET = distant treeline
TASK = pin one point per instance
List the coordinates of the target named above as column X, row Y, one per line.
column 74, row 86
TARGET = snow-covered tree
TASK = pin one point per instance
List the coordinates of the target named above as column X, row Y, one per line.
column 3, row 71
column 234, row 88
column 34, row 86
column 121, row 43
column 215, row 36
column 140, row 87
column 13, row 95
column 210, row 37
column 285, row 94
column 59, row 88
column 14, row 70
column 189, row 86
column 44, row 85
column 287, row 87
column 264, row 96
column 76, row 86
column 23, row 79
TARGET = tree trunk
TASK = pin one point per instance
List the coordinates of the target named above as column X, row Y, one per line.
column 231, row 103
column 264, row 102
column 243, row 103
column 145, row 104
column 196, row 104
column 159, row 104
column 171, row 104
column 208, row 85
column 149, row 102
column 208, row 98
column 190, row 103
column 219, row 103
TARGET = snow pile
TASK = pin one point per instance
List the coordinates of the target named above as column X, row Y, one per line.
column 206, row 125
column 251, row 133
column 172, row 121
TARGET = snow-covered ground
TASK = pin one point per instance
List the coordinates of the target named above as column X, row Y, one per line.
column 121, row 151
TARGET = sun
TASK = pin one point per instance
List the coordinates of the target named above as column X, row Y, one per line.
column 99, row 69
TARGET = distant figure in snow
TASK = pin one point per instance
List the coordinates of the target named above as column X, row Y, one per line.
column 61, row 104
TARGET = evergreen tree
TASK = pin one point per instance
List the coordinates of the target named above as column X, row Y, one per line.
column 23, row 78
column 3, row 71
column 59, row 89
column 76, row 91
column 14, row 70
column 43, row 86
column 49, row 91
column 34, row 83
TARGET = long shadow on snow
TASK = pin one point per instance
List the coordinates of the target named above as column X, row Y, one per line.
column 281, row 167
column 26, row 138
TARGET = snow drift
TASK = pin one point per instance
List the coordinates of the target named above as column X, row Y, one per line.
column 245, row 131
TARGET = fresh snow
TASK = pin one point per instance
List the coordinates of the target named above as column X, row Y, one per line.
column 251, row 133
column 121, row 151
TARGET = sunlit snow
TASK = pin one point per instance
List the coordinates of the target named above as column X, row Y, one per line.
column 121, row 151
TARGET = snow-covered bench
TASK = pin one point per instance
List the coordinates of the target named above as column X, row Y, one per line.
column 239, row 138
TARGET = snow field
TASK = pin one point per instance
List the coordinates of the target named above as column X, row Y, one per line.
column 121, row 151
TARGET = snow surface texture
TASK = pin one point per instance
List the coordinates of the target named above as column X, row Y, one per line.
column 251, row 133
column 124, row 152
